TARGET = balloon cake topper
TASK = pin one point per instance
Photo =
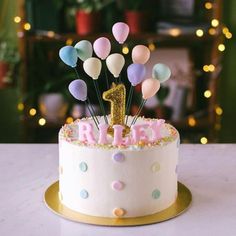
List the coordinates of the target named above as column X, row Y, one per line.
column 116, row 90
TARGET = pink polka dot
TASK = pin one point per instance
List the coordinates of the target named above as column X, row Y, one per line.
column 117, row 185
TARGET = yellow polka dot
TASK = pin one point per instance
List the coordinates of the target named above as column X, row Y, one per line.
column 155, row 167
column 119, row 212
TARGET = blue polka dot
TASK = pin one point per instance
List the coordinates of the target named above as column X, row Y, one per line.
column 84, row 194
column 83, row 166
column 156, row 194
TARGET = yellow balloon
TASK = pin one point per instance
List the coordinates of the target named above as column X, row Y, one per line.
column 115, row 62
column 92, row 67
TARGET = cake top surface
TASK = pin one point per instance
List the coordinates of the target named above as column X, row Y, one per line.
column 145, row 133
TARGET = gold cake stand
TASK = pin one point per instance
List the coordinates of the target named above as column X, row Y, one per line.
column 182, row 203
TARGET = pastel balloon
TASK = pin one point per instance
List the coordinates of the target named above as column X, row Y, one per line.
column 102, row 47
column 150, row 87
column 84, row 49
column 78, row 89
column 161, row 72
column 136, row 73
column 115, row 62
column 120, row 32
column 140, row 54
column 92, row 67
column 68, row 55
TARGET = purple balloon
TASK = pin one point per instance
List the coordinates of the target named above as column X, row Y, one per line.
column 78, row 89
column 136, row 73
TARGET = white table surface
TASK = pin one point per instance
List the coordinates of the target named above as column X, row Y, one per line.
column 27, row 169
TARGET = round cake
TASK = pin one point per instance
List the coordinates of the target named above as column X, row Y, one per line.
column 107, row 176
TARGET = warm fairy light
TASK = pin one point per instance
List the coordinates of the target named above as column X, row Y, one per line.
column 207, row 94
column 228, row 35
column 42, row 121
column 199, row 32
column 51, row 34
column 17, row 19
column 225, row 30
column 212, row 31
column 214, row 22
column 208, row 5
column 175, row 32
column 211, row 67
column 69, row 42
column 32, row 112
column 27, row 26
column 204, row 140
column 191, row 121
column 221, row 47
column 125, row 50
column 151, row 46
column 206, row 68
column 20, row 106
column 69, row 120
column 219, row 111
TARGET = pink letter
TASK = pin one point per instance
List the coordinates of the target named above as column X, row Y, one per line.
column 156, row 129
column 138, row 132
column 86, row 132
column 117, row 134
column 103, row 133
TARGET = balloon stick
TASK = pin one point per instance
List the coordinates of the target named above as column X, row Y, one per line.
column 139, row 111
column 95, row 120
column 129, row 103
column 105, row 69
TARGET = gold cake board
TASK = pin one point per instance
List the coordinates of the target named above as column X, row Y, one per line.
column 181, row 204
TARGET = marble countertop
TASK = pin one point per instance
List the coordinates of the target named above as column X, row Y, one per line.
column 26, row 170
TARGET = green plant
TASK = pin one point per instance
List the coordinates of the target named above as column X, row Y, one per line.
column 133, row 5
column 9, row 53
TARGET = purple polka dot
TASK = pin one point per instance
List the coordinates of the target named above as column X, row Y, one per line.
column 117, row 185
column 118, row 157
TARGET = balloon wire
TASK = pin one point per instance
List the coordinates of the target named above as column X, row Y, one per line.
column 100, row 100
column 91, row 106
column 91, row 113
column 139, row 111
column 105, row 69
column 76, row 72
column 129, row 103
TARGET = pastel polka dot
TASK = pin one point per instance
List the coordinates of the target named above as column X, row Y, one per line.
column 155, row 167
column 156, row 194
column 83, row 166
column 117, row 185
column 84, row 194
column 118, row 157
column 118, row 212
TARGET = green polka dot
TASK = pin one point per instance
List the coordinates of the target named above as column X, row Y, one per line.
column 83, row 166
column 156, row 194
column 155, row 167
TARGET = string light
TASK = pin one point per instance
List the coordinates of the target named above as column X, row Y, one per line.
column 199, row 33
column 42, row 121
column 212, row 31
column 69, row 120
column 206, row 68
column 228, row 35
column 20, row 106
column 204, row 140
column 151, row 46
column 221, row 47
column 207, row 94
column 214, row 22
column 17, row 19
column 219, row 110
column 175, row 32
column 69, row 42
column 225, row 30
column 125, row 50
column 32, row 112
column 27, row 26
column 208, row 5
column 211, row 67
column 191, row 121
column 51, row 34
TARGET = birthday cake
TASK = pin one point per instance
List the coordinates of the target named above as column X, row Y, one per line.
column 116, row 165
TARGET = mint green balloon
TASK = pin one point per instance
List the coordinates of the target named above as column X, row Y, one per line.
column 84, row 49
column 161, row 72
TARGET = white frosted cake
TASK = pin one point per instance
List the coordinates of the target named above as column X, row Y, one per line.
column 99, row 177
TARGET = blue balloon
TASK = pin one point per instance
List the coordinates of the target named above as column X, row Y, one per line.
column 78, row 89
column 161, row 72
column 136, row 73
column 68, row 55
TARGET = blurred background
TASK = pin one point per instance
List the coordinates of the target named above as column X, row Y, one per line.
column 195, row 38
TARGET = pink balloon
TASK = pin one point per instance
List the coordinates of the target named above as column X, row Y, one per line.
column 150, row 87
column 140, row 54
column 102, row 47
column 120, row 31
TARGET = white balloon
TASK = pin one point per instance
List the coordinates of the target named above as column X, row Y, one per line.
column 115, row 62
column 92, row 67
